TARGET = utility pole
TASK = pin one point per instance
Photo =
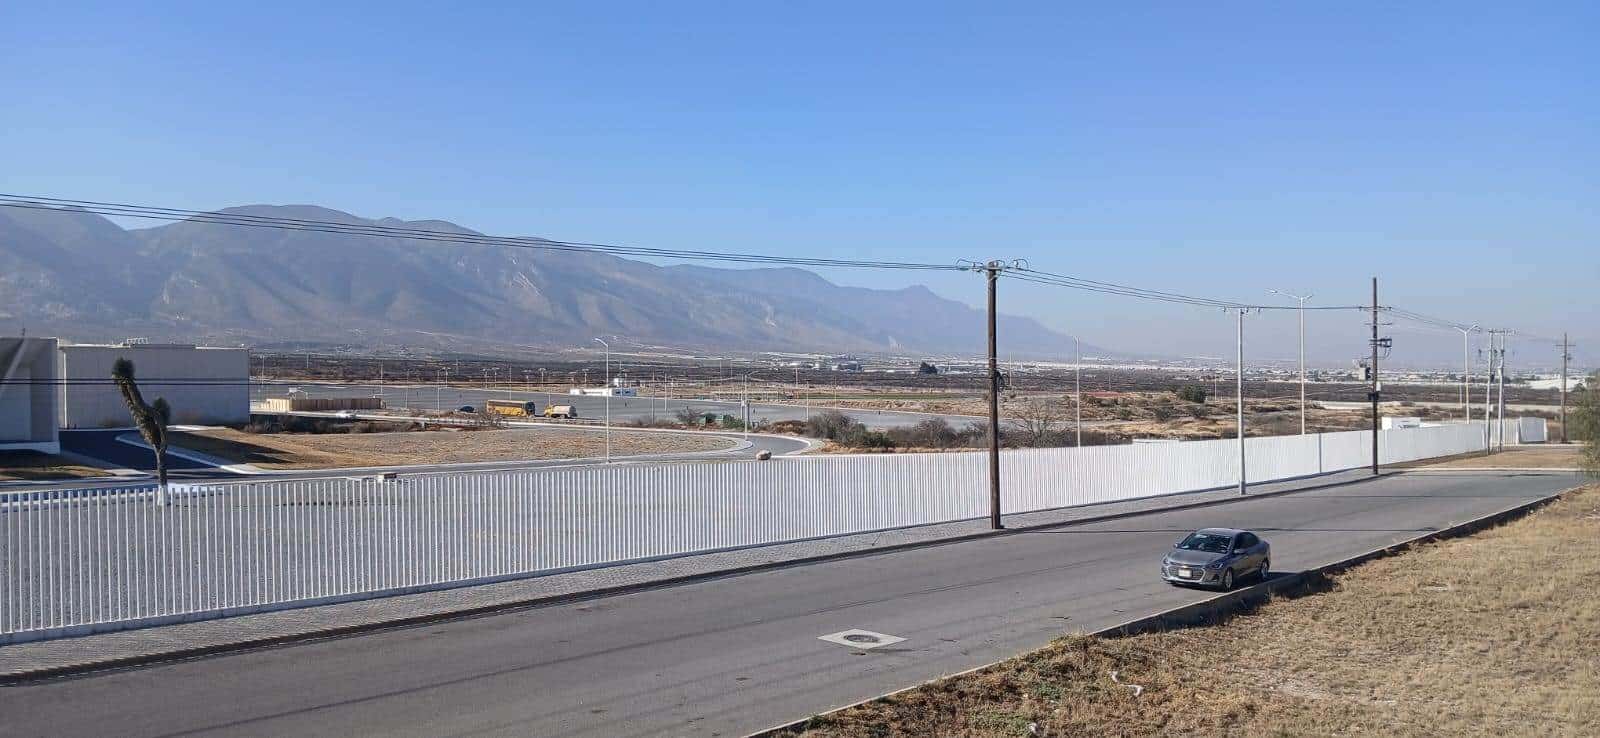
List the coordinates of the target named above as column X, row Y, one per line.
column 992, row 273
column 1373, row 392
column 1495, row 390
column 1239, row 406
column 1302, row 311
column 1488, row 394
column 1500, row 396
column 1566, row 355
column 608, row 399
column 1077, row 387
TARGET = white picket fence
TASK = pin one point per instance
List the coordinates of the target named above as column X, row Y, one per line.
column 80, row 561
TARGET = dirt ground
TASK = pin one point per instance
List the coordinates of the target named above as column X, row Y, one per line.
column 1520, row 457
column 314, row 451
column 1493, row 634
column 36, row 467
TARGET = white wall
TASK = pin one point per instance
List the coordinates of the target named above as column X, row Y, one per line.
column 279, row 542
column 28, row 394
column 203, row 385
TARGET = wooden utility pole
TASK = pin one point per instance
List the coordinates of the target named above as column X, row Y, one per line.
column 992, row 272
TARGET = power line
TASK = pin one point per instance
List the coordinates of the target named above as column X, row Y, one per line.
column 1090, row 285
column 420, row 234
column 1018, row 271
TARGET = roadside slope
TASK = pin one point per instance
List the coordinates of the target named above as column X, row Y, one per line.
column 1488, row 634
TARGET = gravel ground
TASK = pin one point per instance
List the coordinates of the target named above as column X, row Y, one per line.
column 1521, row 457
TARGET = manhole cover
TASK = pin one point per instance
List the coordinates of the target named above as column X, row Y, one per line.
column 862, row 639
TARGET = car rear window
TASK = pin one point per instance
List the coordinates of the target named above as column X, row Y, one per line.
column 1208, row 542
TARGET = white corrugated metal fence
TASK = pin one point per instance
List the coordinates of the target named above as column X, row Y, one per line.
column 77, row 561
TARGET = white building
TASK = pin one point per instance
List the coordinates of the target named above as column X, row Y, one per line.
column 604, row 391
column 203, row 385
column 28, row 395
column 1574, row 381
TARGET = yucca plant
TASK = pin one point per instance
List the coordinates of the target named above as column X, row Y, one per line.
column 151, row 419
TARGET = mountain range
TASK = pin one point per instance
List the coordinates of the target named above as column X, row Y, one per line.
column 76, row 274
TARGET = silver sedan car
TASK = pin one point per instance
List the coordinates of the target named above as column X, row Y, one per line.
column 1217, row 557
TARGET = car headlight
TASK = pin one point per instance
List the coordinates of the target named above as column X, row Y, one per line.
column 1218, row 564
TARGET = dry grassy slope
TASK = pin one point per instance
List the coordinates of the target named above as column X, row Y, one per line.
column 1497, row 633
column 307, row 451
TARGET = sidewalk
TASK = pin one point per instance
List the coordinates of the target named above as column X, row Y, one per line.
column 37, row 659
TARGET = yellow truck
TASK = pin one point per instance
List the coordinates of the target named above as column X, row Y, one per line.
column 511, row 408
column 560, row 411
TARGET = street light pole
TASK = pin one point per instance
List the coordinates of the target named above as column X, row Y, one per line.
column 1466, row 373
column 608, row 399
column 1302, row 312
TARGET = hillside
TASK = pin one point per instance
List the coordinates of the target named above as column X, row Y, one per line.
column 82, row 276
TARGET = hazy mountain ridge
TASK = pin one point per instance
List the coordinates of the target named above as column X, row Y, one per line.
column 84, row 277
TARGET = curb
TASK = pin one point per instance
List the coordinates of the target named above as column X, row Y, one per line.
column 1214, row 610
column 182, row 654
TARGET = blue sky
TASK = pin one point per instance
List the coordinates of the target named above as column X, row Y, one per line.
column 1218, row 149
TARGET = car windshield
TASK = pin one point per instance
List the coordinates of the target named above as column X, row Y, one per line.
column 1208, row 542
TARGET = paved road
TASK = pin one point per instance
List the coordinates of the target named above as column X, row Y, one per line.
column 623, row 409
column 732, row 655
column 102, row 445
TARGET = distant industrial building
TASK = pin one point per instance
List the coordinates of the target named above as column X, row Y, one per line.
column 28, row 395
column 209, row 386
column 604, row 391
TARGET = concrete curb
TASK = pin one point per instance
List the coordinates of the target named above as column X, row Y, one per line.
column 1216, row 609
column 566, row 598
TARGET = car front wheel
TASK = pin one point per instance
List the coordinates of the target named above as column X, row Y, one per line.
column 1266, row 567
column 1227, row 579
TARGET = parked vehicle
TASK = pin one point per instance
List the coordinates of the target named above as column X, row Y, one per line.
column 467, row 409
column 1217, row 557
column 345, row 415
column 512, row 408
column 560, row 411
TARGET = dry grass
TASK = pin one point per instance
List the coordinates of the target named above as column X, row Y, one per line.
column 33, row 466
column 1494, row 634
column 308, row 451
column 1521, row 457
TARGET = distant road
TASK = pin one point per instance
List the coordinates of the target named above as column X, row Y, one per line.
column 623, row 409
column 734, row 654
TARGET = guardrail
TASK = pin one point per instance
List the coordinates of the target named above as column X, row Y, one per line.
column 79, row 561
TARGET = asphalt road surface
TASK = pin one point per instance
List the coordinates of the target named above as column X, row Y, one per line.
column 623, row 409
column 737, row 654
column 103, row 446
